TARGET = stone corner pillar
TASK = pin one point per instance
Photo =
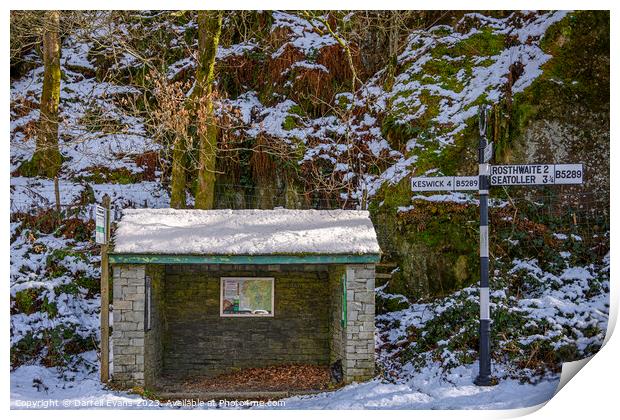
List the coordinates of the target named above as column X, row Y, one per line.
column 359, row 347
column 128, row 326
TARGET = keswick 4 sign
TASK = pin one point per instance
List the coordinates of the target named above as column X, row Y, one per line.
column 495, row 175
column 445, row 183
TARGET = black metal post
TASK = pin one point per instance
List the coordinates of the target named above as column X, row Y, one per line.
column 484, row 375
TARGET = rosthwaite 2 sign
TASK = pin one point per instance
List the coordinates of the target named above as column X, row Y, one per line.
column 562, row 174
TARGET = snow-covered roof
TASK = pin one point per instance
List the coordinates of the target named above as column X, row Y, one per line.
column 245, row 232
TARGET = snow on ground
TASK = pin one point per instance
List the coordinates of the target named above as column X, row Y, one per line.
column 327, row 138
column 573, row 300
column 245, row 232
column 563, row 313
column 429, row 391
column 430, row 387
column 304, row 37
column 32, row 194
column 151, row 194
column 223, row 53
column 36, row 386
column 408, row 102
column 67, row 305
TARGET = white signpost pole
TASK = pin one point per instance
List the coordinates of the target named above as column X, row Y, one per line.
column 484, row 374
column 530, row 174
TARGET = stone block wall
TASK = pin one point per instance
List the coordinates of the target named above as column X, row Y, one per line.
column 128, row 324
column 198, row 341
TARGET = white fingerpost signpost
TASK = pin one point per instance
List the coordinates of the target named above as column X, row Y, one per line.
column 495, row 175
column 484, row 358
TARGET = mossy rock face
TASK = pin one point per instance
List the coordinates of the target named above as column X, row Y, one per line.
column 435, row 245
column 564, row 115
column 461, row 269
column 579, row 45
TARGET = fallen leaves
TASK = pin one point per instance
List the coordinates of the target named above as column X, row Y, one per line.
column 272, row 378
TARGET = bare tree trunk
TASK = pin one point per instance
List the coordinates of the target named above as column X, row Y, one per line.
column 209, row 30
column 47, row 159
column 393, row 38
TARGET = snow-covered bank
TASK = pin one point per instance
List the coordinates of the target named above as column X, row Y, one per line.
column 557, row 314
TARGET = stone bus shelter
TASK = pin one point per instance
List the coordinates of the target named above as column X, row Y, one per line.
column 206, row 292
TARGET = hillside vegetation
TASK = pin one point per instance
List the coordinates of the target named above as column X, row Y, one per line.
column 329, row 110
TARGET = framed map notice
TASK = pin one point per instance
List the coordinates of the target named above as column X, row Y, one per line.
column 246, row 296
